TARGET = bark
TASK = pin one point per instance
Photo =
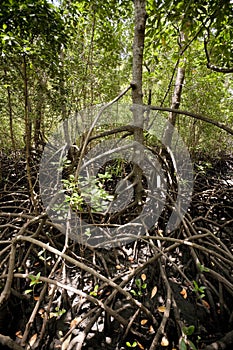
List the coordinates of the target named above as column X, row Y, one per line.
column 137, row 96
column 176, row 98
column 10, row 113
column 28, row 132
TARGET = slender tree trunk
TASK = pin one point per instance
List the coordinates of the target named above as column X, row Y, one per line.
column 63, row 100
column 38, row 138
column 28, row 131
column 137, row 96
column 176, row 97
column 10, row 112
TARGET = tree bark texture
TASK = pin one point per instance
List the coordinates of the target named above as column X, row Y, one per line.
column 137, row 96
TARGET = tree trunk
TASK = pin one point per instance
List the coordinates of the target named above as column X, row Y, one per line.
column 137, row 96
column 176, row 97
column 28, row 132
column 10, row 113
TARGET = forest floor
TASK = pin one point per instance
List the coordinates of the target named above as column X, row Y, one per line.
column 162, row 292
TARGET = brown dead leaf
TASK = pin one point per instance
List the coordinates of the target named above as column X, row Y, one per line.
column 164, row 341
column 66, row 342
column 32, row 340
column 151, row 330
column 160, row 233
column 140, row 346
column 143, row 277
column 74, row 322
column 19, row 334
column 184, row 293
column 41, row 311
column 154, row 292
column 143, row 322
column 207, row 305
column 162, row 308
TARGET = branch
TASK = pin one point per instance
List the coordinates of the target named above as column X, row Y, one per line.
column 94, row 123
column 128, row 128
column 221, row 344
column 7, row 341
column 213, row 67
column 193, row 115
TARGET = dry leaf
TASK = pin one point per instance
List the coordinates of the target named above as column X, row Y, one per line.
column 140, row 346
column 160, row 233
column 19, row 334
column 41, row 311
column 75, row 321
column 143, row 322
column 32, row 340
column 66, row 343
column 205, row 304
column 162, row 308
column 118, row 267
column 164, row 341
column 153, row 292
column 151, row 330
column 143, row 277
column 184, row 293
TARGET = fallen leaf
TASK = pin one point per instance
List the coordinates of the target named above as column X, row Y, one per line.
column 184, row 293
column 140, row 346
column 66, row 343
column 32, row 340
column 162, row 308
column 74, row 322
column 118, row 267
column 207, row 305
column 19, row 334
column 154, row 292
column 143, row 277
column 41, row 311
column 151, row 330
column 164, row 341
column 143, row 322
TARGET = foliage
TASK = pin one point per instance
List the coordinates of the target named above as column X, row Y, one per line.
column 89, row 190
column 184, row 342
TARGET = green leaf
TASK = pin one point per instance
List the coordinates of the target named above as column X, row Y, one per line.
column 182, row 344
column 188, row 330
column 202, row 268
column 191, row 345
column 133, row 292
column 27, row 291
column 138, row 283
